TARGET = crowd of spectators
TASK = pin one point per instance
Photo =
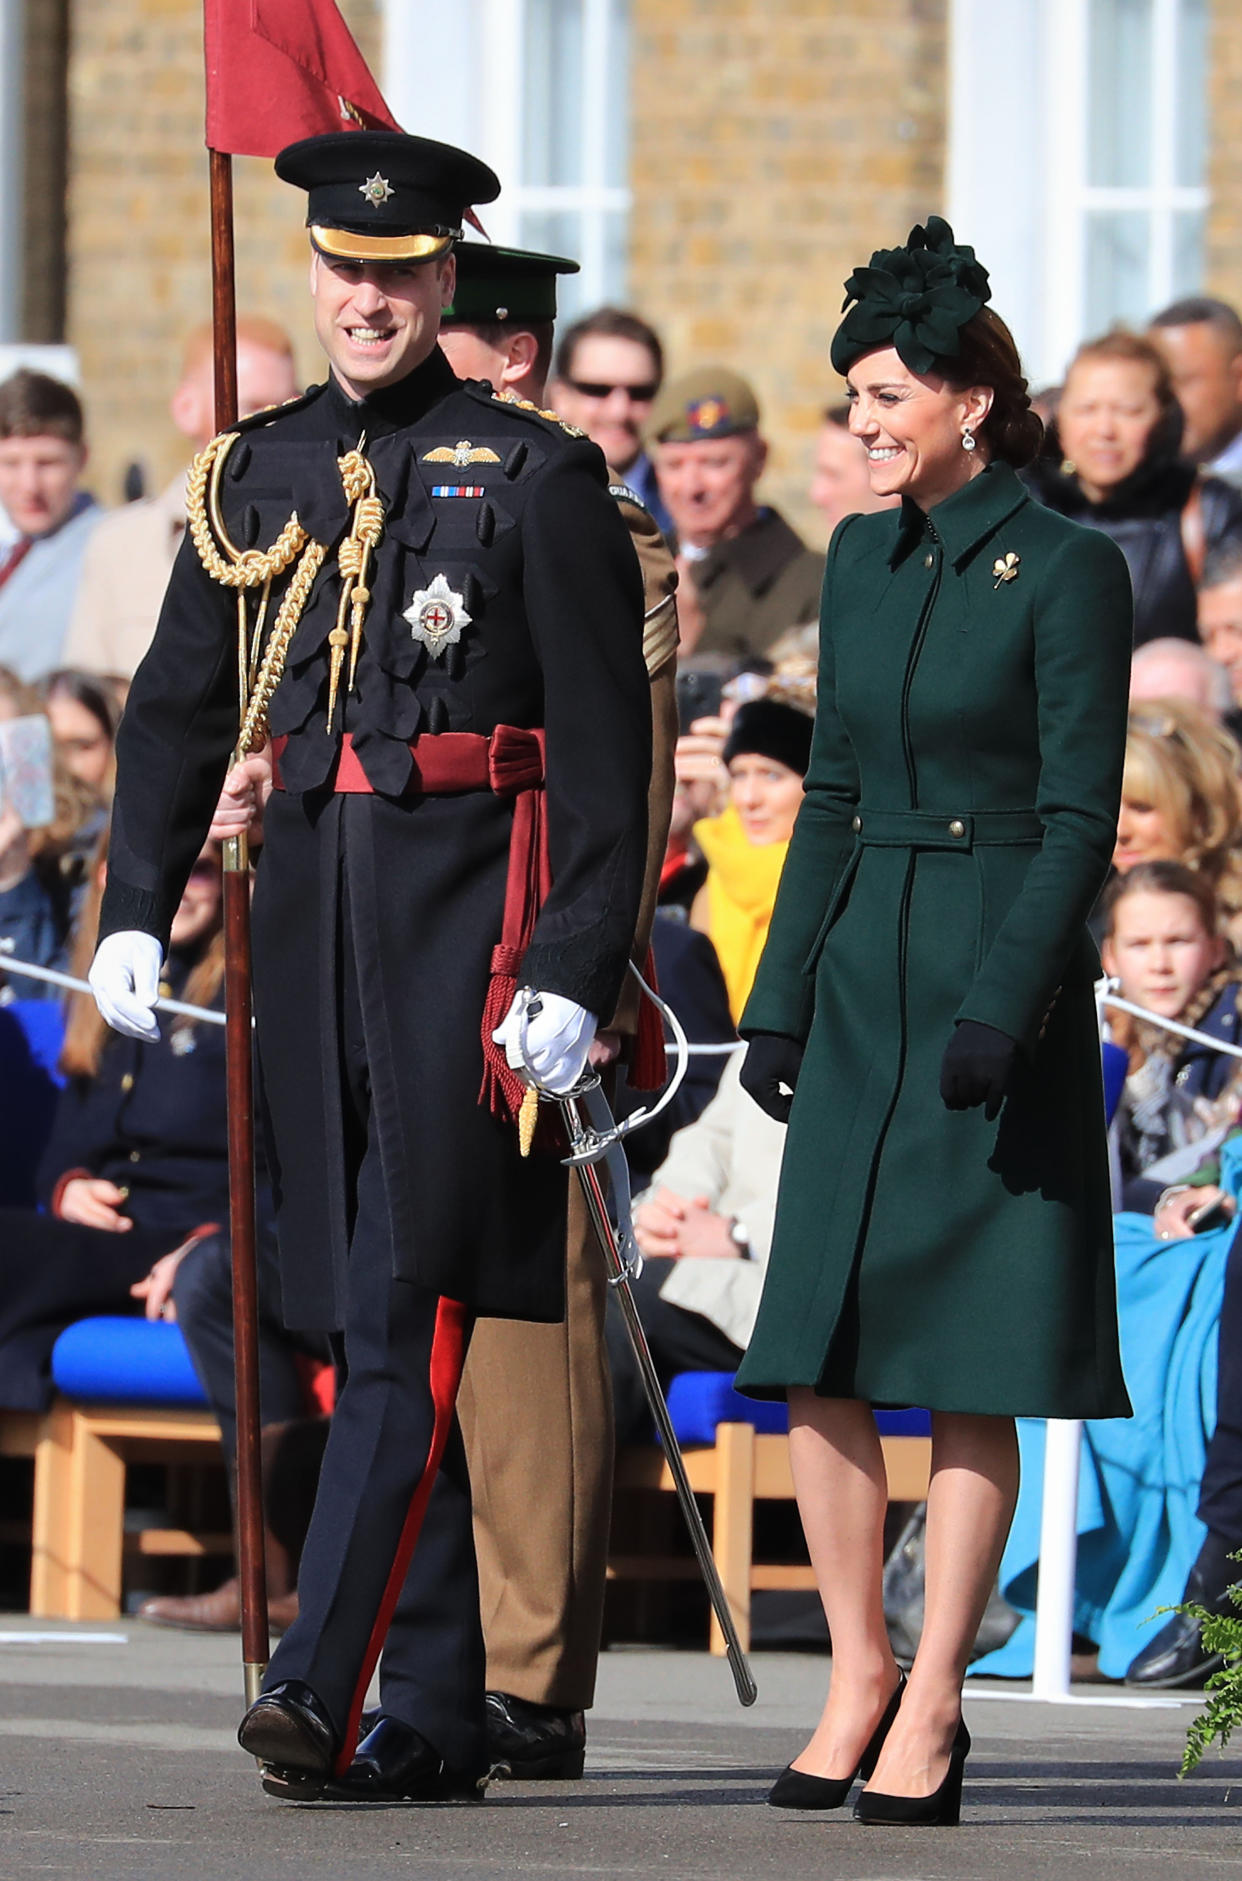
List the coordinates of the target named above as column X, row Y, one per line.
column 1144, row 441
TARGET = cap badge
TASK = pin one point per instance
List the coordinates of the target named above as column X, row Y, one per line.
column 1005, row 567
column 461, row 456
column 376, row 190
column 704, row 414
column 437, row 615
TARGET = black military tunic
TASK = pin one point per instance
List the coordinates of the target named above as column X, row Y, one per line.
column 514, row 513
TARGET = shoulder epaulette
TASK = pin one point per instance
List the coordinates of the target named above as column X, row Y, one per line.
column 286, row 407
column 527, row 405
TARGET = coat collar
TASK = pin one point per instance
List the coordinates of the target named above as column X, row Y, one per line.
column 963, row 520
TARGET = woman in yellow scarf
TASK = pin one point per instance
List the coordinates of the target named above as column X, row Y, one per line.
column 766, row 756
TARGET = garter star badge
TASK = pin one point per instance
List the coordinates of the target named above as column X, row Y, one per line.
column 376, row 189
column 436, row 616
column 460, row 455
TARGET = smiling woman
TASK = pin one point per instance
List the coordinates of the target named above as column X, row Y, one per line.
column 943, row 1235
column 1114, row 464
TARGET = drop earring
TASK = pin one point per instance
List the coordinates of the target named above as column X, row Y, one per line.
column 969, row 441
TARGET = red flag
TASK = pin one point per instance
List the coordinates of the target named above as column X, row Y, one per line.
column 278, row 70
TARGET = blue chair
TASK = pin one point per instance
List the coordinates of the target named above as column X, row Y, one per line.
column 113, row 1360
column 737, row 1452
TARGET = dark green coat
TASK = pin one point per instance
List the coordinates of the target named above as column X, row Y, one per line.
column 921, row 1255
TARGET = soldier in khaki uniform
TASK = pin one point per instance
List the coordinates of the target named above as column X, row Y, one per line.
column 536, row 1402
column 747, row 575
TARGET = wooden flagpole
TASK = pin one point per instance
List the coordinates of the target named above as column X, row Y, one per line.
column 238, row 1047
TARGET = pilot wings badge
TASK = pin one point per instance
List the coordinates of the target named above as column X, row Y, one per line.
column 437, row 615
column 461, row 456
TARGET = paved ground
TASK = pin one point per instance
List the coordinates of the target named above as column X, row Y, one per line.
column 117, row 1760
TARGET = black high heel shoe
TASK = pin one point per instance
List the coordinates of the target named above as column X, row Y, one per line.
column 942, row 1809
column 799, row 1789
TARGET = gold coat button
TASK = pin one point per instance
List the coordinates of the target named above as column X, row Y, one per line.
column 135, row 1156
column 127, row 1082
column 957, row 827
column 856, row 825
column 929, row 560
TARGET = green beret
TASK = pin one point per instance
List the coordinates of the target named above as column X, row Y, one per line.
column 710, row 402
column 508, row 284
column 916, row 299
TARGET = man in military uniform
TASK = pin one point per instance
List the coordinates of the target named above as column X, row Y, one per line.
column 747, row 575
column 460, row 721
column 536, row 1402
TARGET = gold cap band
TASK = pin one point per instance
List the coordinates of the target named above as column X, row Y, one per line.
column 344, row 245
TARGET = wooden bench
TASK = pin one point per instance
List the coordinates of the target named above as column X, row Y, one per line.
column 741, row 1468
column 79, row 1539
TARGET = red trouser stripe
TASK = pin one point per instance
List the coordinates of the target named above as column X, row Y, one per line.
column 448, row 1357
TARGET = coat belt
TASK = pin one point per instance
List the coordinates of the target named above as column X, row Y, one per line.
column 509, row 763
column 936, row 829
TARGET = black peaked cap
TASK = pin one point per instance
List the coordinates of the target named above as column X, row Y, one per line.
column 385, row 185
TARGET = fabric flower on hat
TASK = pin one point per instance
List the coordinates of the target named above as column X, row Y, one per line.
column 916, row 299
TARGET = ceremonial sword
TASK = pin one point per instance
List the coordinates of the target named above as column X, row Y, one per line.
column 595, row 1137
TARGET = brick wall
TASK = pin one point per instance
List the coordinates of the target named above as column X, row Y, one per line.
column 775, row 144
column 1223, row 271
column 138, row 231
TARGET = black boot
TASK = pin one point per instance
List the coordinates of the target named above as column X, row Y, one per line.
column 1176, row 1657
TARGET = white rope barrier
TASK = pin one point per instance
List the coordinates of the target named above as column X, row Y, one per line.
column 26, row 969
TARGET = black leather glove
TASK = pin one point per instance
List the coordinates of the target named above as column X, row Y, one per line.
column 977, row 1068
column 770, row 1072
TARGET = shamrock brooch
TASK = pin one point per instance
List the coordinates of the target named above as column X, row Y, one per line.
column 1005, row 567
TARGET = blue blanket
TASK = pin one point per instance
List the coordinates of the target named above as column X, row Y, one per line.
column 1138, row 1534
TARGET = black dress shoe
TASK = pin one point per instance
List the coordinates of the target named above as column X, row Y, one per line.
column 394, row 1763
column 941, row 1810
column 800, row 1789
column 289, row 1731
column 529, row 1742
column 1176, row 1656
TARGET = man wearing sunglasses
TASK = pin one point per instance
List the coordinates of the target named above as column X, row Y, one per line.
column 609, row 368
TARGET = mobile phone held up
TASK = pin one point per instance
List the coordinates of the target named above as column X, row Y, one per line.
column 1211, row 1215
column 698, row 696
column 26, row 769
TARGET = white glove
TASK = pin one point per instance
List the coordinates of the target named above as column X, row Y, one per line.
column 125, row 979
column 558, row 1037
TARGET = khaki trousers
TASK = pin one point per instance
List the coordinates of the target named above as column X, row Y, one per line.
column 536, row 1413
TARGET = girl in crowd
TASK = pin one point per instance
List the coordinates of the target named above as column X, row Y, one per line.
column 766, row 756
column 37, row 870
column 1181, row 800
column 137, row 1164
column 1114, row 465
column 1180, row 1097
column 1138, row 1530
column 943, row 1234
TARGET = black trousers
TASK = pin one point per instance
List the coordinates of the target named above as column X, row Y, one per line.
column 1220, row 1496
column 388, row 1563
column 680, row 1341
column 203, row 1297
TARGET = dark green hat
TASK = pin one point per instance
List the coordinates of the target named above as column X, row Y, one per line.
column 504, row 284
column 916, row 299
column 382, row 196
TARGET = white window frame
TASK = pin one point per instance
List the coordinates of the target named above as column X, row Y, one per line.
column 1017, row 170
column 455, row 71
